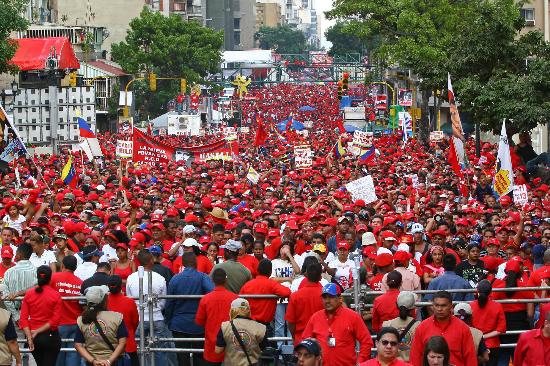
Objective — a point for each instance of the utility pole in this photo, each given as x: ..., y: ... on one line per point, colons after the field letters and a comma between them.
x: 51, y: 67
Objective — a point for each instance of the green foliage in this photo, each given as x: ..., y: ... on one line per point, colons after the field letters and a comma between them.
x: 170, y: 47
x: 285, y: 39
x: 10, y: 21
x: 344, y: 42
x: 476, y: 41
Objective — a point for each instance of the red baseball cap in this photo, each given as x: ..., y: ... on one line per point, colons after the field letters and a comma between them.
x: 7, y: 252
x: 383, y: 260
x: 439, y: 232
x: 401, y: 256
x: 342, y: 244
x: 369, y: 251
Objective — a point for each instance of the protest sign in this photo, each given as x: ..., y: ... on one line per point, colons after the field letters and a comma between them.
x: 436, y: 136
x: 362, y: 189
x: 520, y: 195
x: 362, y: 139
x: 124, y: 149
x: 230, y: 133
x: 302, y: 156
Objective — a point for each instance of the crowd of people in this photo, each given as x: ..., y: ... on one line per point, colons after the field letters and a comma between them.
x: 205, y: 229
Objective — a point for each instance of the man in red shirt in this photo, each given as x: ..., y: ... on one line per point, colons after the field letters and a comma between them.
x: 337, y: 329
x: 263, y: 310
x: 212, y: 312
x: 443, y: 323
x: 387, y: 349
x: 533, y: 346
x: 305, y: 302
x: 67, y: 284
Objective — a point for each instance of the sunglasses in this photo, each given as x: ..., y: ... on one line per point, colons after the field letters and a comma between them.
x: 391, y: 343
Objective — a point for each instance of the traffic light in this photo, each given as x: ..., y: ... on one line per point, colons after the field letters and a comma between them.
x: 72, y: 79
x: 152, y: 81
x: 345, y: 81
x: 183, y: 86
x: 340, y: 90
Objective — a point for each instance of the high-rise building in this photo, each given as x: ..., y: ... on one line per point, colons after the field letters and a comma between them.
x: 268, y: 15
x: 237, y: 18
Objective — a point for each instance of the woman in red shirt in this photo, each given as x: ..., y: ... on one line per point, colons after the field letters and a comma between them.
x: 488, y: 316
x: 519, y: 315
x: 120, y: 303
x: 40, y: 312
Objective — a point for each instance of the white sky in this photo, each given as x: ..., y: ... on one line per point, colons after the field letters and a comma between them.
x: 322, y: 6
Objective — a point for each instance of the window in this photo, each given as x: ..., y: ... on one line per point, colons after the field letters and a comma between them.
x: 35, y: 138
x: 89, y: 107
x: 89, y: 119
x: 33, y: 110
x: 237, y: 23
x: 47, y: 127
x: 33, y: 120
x: 529, y: 15
x: 33, y: 128
x: 237, y: 37
x: 20, y: 129
x: 61, y: 127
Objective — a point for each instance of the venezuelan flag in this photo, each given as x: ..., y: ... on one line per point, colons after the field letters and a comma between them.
x: 85, y: 129
x: 68, y: 174
x: 339, y: 149
x: 367, y: 154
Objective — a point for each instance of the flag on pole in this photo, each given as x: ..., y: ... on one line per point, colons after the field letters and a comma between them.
x: 340, y: 125
x: 368, y: 154
x: 456, y: 124
x: 261, y: 133
x: 89, y: 143
x: 339, y: 149
x: 13, y: 147
x: 452, y: 158
x: 85, y: 129
x: 68, y: 174
x: 503, y: 182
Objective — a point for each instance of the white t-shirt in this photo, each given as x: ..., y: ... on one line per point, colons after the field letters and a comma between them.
x: 296, y: 283
x: 180, y: 251
x: 45, y: 259
x: 282, y: 268
x: 85, y: 270
x: 158, y: 288
x: 343, y: 272
x: 17, y: 224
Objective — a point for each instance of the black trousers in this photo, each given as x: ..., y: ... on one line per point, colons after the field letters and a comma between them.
x: 493, y: 357
x: 46, y: 348
x: 184, y: 359
x: 134, y: 358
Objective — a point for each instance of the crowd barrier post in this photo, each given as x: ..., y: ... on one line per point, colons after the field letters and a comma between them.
x: 151, y: 303
x: 141, y: 316
x: 356, y: 281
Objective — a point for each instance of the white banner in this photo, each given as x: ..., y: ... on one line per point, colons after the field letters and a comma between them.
x: 230, y: 133
x: 124, y: 149
x: 436, y: 136
x: 362, y: 139
x: 184, y: 124
x: 303, y: 157
x: 520, y: 195
x: 362, y: 189
x: 245, y: 129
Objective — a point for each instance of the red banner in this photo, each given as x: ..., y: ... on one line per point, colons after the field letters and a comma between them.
x: 149, y: 151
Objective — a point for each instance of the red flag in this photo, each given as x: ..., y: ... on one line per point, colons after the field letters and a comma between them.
x: 453, y: 159
x: 149, y: 129
x: 340, y: 125
x: 261, y: 133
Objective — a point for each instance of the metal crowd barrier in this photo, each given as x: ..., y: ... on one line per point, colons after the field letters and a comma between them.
x: 147, y: 343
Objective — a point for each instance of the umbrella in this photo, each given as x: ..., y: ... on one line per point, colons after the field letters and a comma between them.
x: 296, y: 125
x: 352, y: 128
x: 306, y: 108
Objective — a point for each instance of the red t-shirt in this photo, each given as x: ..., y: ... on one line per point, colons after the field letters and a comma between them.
x: 263, y: 310
x: 302, y: 305
x: 67, y: 284
x: 487, y: 319
x: 456, y: 333
x: 509, y: 308
x: 3, y: 270
x: 250, y: 262
x: 128, y: 308
x: 212, y: 312
x: 376, y: 282
x: 38, y: 309
x: 203, y: 265
x: 385, y: 308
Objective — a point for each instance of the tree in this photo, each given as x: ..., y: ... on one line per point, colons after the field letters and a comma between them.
x: 10, y: 21
x: 344, y: 42
x: 170, y: 47
x: 475, y: 40
x: 282, y: 38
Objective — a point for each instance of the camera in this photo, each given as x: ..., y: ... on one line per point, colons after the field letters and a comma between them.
x: 283, y: 356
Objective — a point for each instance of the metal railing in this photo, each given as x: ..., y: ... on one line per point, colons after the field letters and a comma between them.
x: 149, y: 300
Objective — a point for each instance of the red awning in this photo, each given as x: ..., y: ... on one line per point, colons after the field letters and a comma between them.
x: 32, y: 53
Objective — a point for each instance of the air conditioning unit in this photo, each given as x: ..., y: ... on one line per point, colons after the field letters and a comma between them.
x: 530, y: 22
